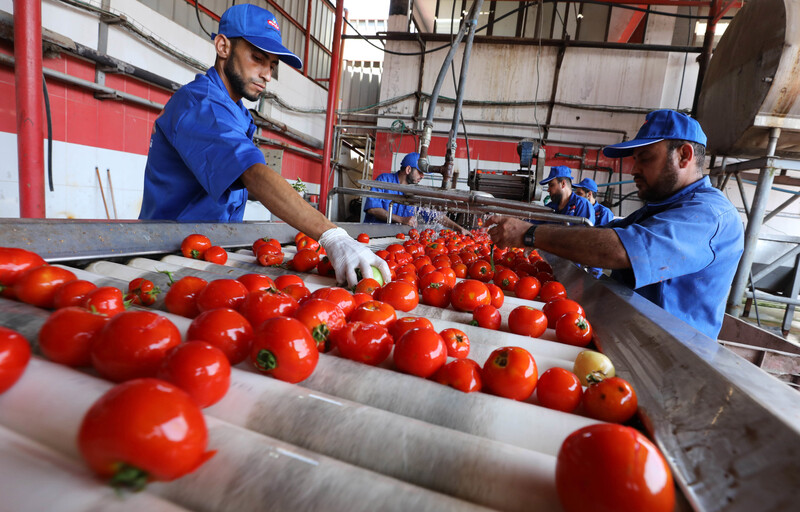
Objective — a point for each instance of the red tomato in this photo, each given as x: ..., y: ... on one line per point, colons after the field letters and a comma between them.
x: 573, y: 329
x: 431, y: 277
x: 285, y: 280
x: 420, y: 352
x: 195, y: 246
x: 299, y: 236
x: 559, y: 389
x: 400, y: 236
x: 297, y: 291
x: 67, y: 335
x: 38, y: 286
x: 321, y: 317
x: 400, y: 295
x: 558, y: 307
x: 487, y: 316
x: 268, y: 255
x: 72, y: 293
x: 510, y: 372
x: 481, y: 270
x: 181, y: 298
x: 545, y: 277
x: 361, y: 298
x: 460, y: 270
x: 216, y: 254
x: 542, y: 266
x: 307, y: 243
x: 143, y: 430
x: 374, y: 312
x: 283, y: 348
x: 405, y: 324
x: 13, y: 263
x: 260, y: 306
x: 366, y: 343
x: 255, y: 282
x: 461, y: 374
x: 15, y: 352
x: 506, y: 279
x: 132, y: 345
x: 363, y: 238
x: 607, y: 467
x: 469, y: 294
x: 325, y: 267
x: 456, y: 341
x: 498, y: 297
x: 413, y: 233
x: 550, y: 290
x: 263, y: 241
x: 225, y: 329
x: 338, y: 296
x: 612, y: 400
x: 527, y: 288
x: 305, y: 260
x: 527, y: 321
x: 367, y: 285
x: 222, y: 293
x: 449, y: 276
x: 200, y: 369
x: 142, y: 291
x: 437, y: 295
x: 106, y: 300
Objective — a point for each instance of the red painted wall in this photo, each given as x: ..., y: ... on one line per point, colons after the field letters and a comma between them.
x: 80, y: 118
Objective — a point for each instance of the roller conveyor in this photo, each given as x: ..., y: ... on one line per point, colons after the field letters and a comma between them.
x: 729, y: 430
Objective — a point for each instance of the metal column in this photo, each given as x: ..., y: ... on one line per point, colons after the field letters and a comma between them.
x: 330, y: 118
x: 754, y: 223
x: 30, y: 112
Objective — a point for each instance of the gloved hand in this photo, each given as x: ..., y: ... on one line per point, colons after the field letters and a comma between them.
x: 346, y: 255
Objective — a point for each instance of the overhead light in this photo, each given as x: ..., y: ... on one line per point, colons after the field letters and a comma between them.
x: 700, y: 28
x: 580, y: 15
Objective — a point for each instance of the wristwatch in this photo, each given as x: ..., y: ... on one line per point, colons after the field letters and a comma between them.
x: 529, y: 238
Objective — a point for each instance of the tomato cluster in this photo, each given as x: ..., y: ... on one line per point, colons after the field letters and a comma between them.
x: 199, y: 247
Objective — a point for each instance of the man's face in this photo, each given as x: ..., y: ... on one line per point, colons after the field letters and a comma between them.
x: 580, y: 191
x: 414, y: 176
x: 557, y: 190
x: 655, y: 172
x: 248, y: 70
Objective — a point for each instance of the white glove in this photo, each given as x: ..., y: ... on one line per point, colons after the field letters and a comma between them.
x: 346, y: 255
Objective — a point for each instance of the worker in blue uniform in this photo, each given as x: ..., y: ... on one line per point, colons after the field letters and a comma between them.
x: 376, y: 210
x: 680, y: 250
x: 203, y: 164
x: 588, y: 188
x: 563, y: 200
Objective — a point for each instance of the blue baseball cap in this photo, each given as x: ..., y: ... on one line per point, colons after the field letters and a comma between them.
x: 560, y: 171
x: 588, y: 184
x: 411, y: 159
x: 660, y: 125
x: 260, y: 28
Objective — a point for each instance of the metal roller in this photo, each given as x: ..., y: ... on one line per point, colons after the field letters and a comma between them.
x: 34, y: 477
x: 266, y: 474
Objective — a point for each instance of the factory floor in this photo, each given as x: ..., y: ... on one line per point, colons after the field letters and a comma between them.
x: 771, y: 317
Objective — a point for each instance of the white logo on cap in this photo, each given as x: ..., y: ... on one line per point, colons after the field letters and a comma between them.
x: 274, y: 24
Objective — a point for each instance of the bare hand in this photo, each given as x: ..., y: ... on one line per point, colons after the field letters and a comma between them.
x: 507, y: 231
x: 410, y: 221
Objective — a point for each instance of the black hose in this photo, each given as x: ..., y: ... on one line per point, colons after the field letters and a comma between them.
x: 49, y: 134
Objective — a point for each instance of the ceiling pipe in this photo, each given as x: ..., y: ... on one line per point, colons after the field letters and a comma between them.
x: 330, y: 115
x: 30, y: 107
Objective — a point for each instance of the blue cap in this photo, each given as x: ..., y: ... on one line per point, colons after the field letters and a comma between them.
x: 259, y: 27
x: 660, y: 125
x: 588, y: 184
x: 560, y: 171
x: 411, y: 159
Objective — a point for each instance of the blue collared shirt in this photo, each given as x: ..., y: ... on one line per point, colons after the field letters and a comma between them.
x: 602, y: 215
x: 684, y: 251
x: 201, y: 144
x: 403, y: 210
x: 577, y: 206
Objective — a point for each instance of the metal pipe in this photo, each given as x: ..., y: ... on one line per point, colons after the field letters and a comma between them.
x: 782, y: 206
x: 794, y: 251
x: 29, y: 104
x: 754, y: 222
x: 330, y: 115
x: 111, y: 191
x: 705, y: 55
x: 264, y: 121
x: 427, y: 127
x: 742, y: 194
x: 447, y: 171
x: 102, y: 193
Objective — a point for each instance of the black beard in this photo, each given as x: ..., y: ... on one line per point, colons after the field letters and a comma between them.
x: 664, y: 185
x: 556, y: 199
x: 237, y: 82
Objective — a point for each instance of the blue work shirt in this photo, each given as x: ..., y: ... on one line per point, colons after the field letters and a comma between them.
x: 403, y: 210
x: 602, y: 215
x: 577, y: 206
x: 201, y: 144
x: 684, y: 251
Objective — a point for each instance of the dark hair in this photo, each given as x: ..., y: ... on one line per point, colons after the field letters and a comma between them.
x: 699, y: 150
x: 562, y: 179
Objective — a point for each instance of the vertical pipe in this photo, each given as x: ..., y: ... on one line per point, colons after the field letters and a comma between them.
x: 330, y: 116
x: 308, y: 40
x: 754, y: 222
x: 705, y: 55
x: 30, y: 114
